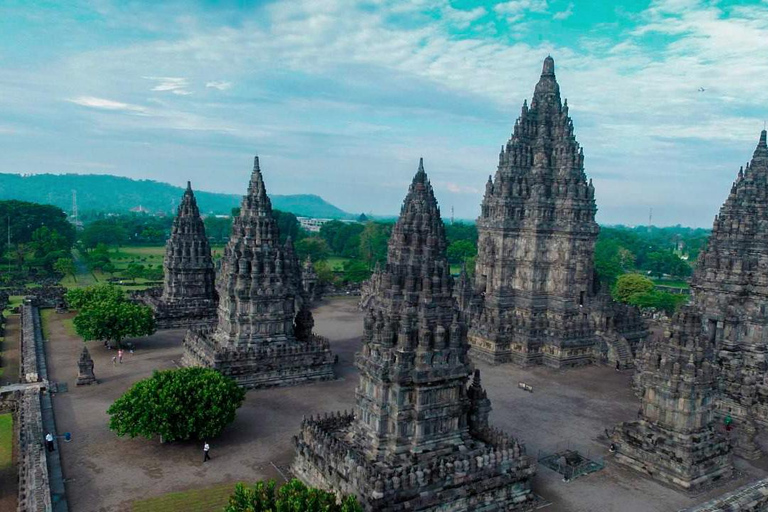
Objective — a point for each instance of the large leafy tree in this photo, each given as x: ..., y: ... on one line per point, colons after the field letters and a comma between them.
x: 105, y: 314
x: 314, y: 247
x: 373, y: 242
x: 294, y: 496
x: 26, y: 218
x: 178, y: 405
x: 65, y: 266
x: 629, y: 285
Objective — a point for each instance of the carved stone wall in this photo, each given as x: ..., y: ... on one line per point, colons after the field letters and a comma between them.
x: 263, y: 336
x: 418, y: 438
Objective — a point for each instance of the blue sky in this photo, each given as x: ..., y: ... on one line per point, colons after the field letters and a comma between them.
x: 341, y: 98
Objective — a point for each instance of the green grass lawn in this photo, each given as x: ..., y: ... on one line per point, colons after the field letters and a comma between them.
x: 195, y: 500
x: 6, y: 441
x: 14, y: 300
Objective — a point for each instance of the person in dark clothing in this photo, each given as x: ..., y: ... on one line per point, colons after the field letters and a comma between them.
x: 206, y: 449
x: 49, y: 442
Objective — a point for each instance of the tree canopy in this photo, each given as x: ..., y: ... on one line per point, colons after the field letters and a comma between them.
x: 628, y: 285
x: 294, y: 496
x: 105, y: 314
x: 179, y: 404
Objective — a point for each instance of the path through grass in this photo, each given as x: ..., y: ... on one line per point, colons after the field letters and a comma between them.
x: 6, y: 441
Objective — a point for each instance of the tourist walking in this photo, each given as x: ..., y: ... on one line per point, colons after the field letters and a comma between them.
x: 114, y: 360
x: 120, y: 356
x: 206, y: 449
x: 49, y: 442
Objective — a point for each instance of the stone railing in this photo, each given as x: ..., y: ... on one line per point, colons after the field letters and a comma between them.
x: 749, y: 498
x: 49, y: 296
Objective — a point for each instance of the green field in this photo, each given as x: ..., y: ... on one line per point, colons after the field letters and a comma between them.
x: 196, y: 500
x: 6, y: 441
x: 674, y: 283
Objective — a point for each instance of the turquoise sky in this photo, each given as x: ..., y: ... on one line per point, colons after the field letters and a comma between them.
x: 341, y: 98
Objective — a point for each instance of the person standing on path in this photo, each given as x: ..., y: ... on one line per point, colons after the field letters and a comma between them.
x: 120, y: 356
x: 206, y: 449
x: 49, y: 442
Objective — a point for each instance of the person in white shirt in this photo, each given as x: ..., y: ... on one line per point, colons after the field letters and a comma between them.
x: 206, y: 448
x: 49, y: 441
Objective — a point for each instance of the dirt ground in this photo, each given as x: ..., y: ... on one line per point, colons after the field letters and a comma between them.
x: 566, y: 409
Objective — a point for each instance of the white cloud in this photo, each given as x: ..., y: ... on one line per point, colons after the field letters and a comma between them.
x: 462, y: 19
x: 170, y: 84
x: 220, y: 85
x: 565, y: 14
x: 515, y: 10
x: 105, y: 104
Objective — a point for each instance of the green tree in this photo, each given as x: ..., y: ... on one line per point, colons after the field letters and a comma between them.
x: 134, y: 271
x: 314, y: 247
x: 629, y: 285
x: 663, y: 301
x: 65, y: 266
x: 81, y: 298
x: 355, y: 271
x: 26, y: 218
x: 105, y: 232
x: 113, y: 320
x: 324, y: 272
x: 294, y: 496
x: 178, y: 405
x: 373, y: 242
x: 460, y: 250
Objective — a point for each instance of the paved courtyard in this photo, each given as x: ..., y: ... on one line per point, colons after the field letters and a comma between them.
x: 107, y: 473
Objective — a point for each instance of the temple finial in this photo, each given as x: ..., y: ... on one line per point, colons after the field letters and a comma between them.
x: 421, y: 163
x: 256, y: 163
x: 762, y: 142
x: 549, y: 66
x: 189, y: 186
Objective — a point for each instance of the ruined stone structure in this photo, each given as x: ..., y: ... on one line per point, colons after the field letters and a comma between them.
x: 674, y: 440
x: 85, y: 374
x: 263, y: 337
x: 534, y: 292
x: 752, y: 497
x: 309, y: 281
x: 730, y: 287
x: 419, y: 437
x: 188, y: 296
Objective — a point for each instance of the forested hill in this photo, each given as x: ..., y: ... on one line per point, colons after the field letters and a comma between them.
x: 115, y: 194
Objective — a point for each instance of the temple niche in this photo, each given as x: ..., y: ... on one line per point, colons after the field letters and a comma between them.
x: 188, y: 296
x: 730, y: 289
x: 263, y: 336
x: 418, y: 438
x: 535, y: 298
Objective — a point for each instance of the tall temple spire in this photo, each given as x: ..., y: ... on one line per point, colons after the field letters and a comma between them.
x: 414, y: 413
x: 264, y: 334
x: 539, y: 199
x: 188, y: 297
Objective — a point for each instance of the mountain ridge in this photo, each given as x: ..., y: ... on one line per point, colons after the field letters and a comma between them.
x: 119, y: 194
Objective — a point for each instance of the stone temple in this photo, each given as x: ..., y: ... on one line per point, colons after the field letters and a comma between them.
x: 263, y: 337
x: 418, y: 438
x: 535, y: 297
x: 188, y: 297
x: 730, y: 288
x: 674, y: 439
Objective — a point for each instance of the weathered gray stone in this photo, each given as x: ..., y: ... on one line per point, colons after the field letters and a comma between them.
x: 85, y: 374
x: 749, y: 498
x: 264, y: 336
x: 188, y: 297
x: 674, y: 440
x: 730, y: 288
x: 535, y: 293
x: 419, y: 437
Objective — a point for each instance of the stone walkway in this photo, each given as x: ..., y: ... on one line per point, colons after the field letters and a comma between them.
x: 105, y: 473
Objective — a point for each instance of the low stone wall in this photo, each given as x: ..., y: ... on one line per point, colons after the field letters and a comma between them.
x: 30, y: 325
x: 749, y: 498
x: 46, y: 296
x: 34, y: 484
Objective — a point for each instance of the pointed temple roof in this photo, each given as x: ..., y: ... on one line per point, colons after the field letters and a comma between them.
x: 188, y: 206
x: 255, y: 219
x: 740, y: 232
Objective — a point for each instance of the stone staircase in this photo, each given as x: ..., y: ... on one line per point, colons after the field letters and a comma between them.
x: 618, y: 350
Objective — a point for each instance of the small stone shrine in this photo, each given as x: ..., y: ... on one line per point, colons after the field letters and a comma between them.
x: 85, y: 374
